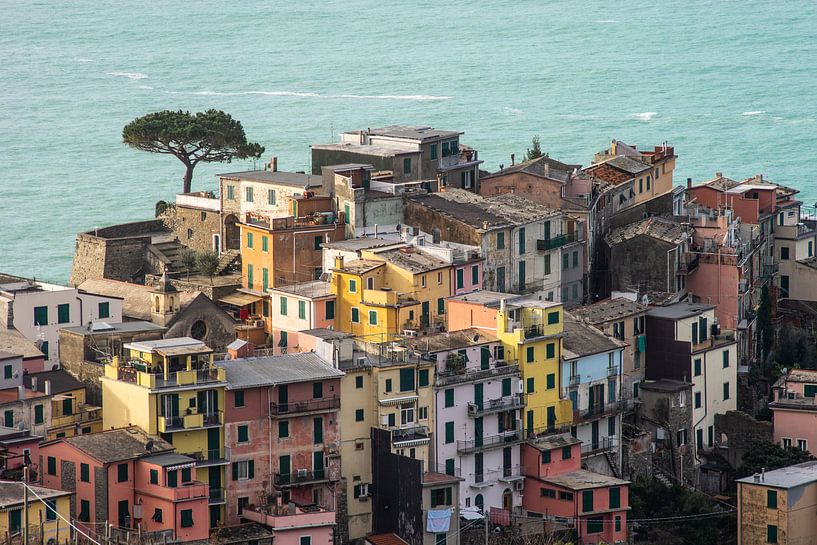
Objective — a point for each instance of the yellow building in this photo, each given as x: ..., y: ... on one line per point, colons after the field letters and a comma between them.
x: 389, y: 291
x: 170, y: 388
x: 531, y: 331
x: 12, y: 513
x: 384, y: 389
x: 778, y: 506
x: 70, y: 414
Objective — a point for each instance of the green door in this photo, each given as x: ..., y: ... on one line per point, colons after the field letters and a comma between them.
x: 284, y: 469
x: 15, y: 520
x: 809, y: 390
x: 424, y: 318
x: 213, y: 444
x: 594, y: 435
x: 478, y: 432
x: 478, y: 392
x: 317, y: 464
x: 124, y: 516
x: 529, y: 423
x: 283, y: 398
x: 485, y: 357
x: 551, y: 416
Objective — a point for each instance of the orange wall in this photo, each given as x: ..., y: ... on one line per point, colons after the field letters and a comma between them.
x: 717, y: 285
x: 462, y: 315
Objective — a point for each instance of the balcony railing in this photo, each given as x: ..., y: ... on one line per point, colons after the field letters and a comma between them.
x: 306, y: 406
x: 174, y: 379
x: 688, y: 263
x: 533, y: 331
x: 507, y: 403
x: 82, y: 416
x: 557, y: 241
x: 497, y: 369
x: 190, y: 421
x: 612, y: 370
x: 574, y: 381
x: 405, y: 435
x: 489, y: 442
x: 210, y: 457
x: 604, y: 444
x: 216, y: 495
x: 282, y: 517
x: 300, y: 477
x: 597, y: 411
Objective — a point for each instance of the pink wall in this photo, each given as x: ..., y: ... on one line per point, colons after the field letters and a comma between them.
x: 462, y: 315
x: 467, y: 277
x: 34, y: 365
x: 16, y: 451
x: 321, y: 535
x: 718, y: 285
x: 796, y: 425
x: 532, y: 466
x: 84, y: 491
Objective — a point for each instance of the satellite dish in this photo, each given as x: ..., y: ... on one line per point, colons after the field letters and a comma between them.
x: 149, y: 446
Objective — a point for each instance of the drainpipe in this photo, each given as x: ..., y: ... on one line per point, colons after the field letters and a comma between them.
x: 269, y: 435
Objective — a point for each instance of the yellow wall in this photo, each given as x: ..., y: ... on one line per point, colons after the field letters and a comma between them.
x: 516, y: 347
x: 37, y: 509
x: 125, y: 403
x: 256, y: 256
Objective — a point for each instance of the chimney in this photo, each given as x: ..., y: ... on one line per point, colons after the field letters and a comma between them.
x: 502, y: 305
x: 48, y: 387
x: 21, y: 392
x: 719, y: 174
x: 339, y: 262
x: 34, y: 383
x: 758, y: 177
x: 763, y: 474
x: 689, y: 183
x: 273, y: 164
x: 513, y: 159
x: 756, y: 477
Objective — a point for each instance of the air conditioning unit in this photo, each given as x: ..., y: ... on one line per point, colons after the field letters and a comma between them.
x: 519, y: 485
x: 302, y: 473
x: 384, y: 420
x: 259, y: 323
x: 519, y: 387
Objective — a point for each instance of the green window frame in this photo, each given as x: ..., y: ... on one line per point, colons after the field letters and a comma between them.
x: 186, y: 475
x: 422, y: 377
x: 154, y: 476
x: 249, y: 275
x: 358, y: 415
x: 725, y: 391
x: 187, y: 518
x: 122, y: 472
x: 615, y: 497
x: 84, y: 511
x: 264, y: 279
x: 271, y: 200
x: 372, y: 317
x: 317, y: 430
x: 283, y: 339
x: 249, y: 240
x: 696, y: 367
x: 506, y: 387
x: 725, y: 359
x: 450, y: 469
x: 595, y: 525
x: 521, y: 240
x: 565, y: 261
x: 84, y: 473
x: 264, y: 244
x: 388, y: 385
x: 283, y: 429
x: 39, y: 416
x: 441, y: 305
x: 358, y: 381
x: 547, y: 264
x: 63, y: 313
x: 771, y: 533
x: 460, y: 279
x: 51, y: 465
x: 40, y: 315
x: 550, y: 379
x: 8, y: 371
x: 305, y: 540
x: 550, y: 350
x: 243, y: 433
x: 355, y: 315
x: 566, y: 453
x: 432, y: 150
x: 318, y: 242
x: 230, y: 192
x: 317, y: 390
x: 449, y: 432
x: 104, y: 310
x: 248, y: 194
x: 283, y: 306
x: 475, y: 275
x: 406, y: 379
x: 51, y: 509
x: 347, y: 213
x: 8, y: 418
x: 530, y: 354
x: 449, y: 397
x: 238, y: 398
x: 575, y: 258
x: 553, y: 318
x: 352, y: 286
x: 302, y: 310
x: 500, y: 241
x: 392, y: 420
x: 587, y: 501
x: 771, y: 499
x: 546, y: 457
x: 68, y: 406
x: 530, y: 386
x: 329, y: 310
x: 407, y: 165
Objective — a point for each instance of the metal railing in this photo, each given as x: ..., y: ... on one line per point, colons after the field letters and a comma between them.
x: 203, y: 457
x: 612, y: 370
x: 300, y: 476
x: 557, y: 241
x: 497, y: 369
x: 409, y: 434
x: 597, y: 411
x: 602, y: 445
x: 506, y: 403
x: 216, y: 495
x: 491, y: 441
x: 305, y: 406
x: 536, y: 330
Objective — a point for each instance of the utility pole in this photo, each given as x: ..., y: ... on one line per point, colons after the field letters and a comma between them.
x: 485, y: 524
x: 25, y: 504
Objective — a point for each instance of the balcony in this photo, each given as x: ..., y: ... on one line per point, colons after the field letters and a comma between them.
x: 300, y: 477
x: 137, y: 373
x: 612, y: 371
x: 290, y: 516
x: 502, y: 475
x: 507, y: 403
x: 307, y: 406
x: 186, y: 422
x: 770, y: 267
x: 533, y: 331
x: 497, y: 369
x: 216, y: 496
x: 688, y: 263
x: 558, y: 241
x: 598, y: 411
x: 510, y: 474
x: 186, y: 491
x: 604, y: 444
x: 84, y: 415
x: 714, y: 341
x: 574, y: 381
x: 410, y: 437
x: 212, y: 457
x: 489, y: 442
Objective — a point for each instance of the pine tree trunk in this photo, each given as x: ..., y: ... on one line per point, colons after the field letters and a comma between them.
x: 188, y: 178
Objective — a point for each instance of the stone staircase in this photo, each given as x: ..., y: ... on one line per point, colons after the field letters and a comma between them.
x: 228, y: 262
x: 659, y: 476
x: 169, y: 252
x: 611, y: 459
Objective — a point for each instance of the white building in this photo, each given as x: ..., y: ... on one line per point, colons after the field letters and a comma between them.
x: 39, y: 310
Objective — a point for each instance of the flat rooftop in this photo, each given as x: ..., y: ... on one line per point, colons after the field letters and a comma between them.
x: 581, y: 479
x: 786, y: 477
x: 313, y: 289
x: 608, y: 309
x: 453, y: 340
x: 421, y: 133
x: 294, y: 179
x: 272, y: 370
x: 361, y: 243
x: 167, y: 344
x: 679, y: 311
x: 105, y: 328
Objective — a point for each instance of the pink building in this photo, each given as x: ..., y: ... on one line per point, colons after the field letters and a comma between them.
x: 467, y: 276
x: 555, y: 485
x: 471, y: 310
x: 299, y: 307
x: 281, y: 422
x: 795, y: 410
x: 124, y: 477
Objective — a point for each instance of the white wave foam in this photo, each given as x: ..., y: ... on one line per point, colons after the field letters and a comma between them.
x: 646, y: 116
x: 607, y: 21
x: 146, y: 87
x: 82, y: 59
x: 316, y: 95
x: 754, y: 112
x: 509, y: 110
x: 283, y: 94
x: 133, y: 76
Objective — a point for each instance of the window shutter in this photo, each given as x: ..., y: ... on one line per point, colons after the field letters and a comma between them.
x: 251, y: 469
x: 235, y: 471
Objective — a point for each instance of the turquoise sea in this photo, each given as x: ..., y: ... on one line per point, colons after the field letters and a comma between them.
x: 731, y: 84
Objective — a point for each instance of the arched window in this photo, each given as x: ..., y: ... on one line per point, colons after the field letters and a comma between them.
x: 479, y: 502
x: 158, y: 309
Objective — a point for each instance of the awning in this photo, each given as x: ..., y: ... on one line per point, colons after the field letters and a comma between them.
x: 398, y: 400
x: 240, y: 299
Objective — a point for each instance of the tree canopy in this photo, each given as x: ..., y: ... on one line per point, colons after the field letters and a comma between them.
x: 535, y: 151
x: 210, y: 137
x: 770, y: 456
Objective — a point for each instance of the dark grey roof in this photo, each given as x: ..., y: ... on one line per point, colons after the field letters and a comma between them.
x: 294, y: 179
x: 170, y: 459
x: 453, y: 340
x: 584, y: 340
x: 655, y: 227
x: 61, y: 381
x: 117, y: 445
x: 106, y: 328
x: 664, y: 385
x: 630, y: 166
x: 348, y: 166
x: 554, y: 441
x: 360, y: 243
x: 11, y: 494
x: 679, y: 311
x: 413, y: 133
x: 544, y: 167
x: 273, y: 370
x: 608, y: 309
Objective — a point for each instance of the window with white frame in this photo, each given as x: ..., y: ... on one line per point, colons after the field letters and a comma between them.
x: 802, y: 444
x: 786, y: 442
x: 406, y: 415
x: 422, y: 413
x: 243, y: 470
